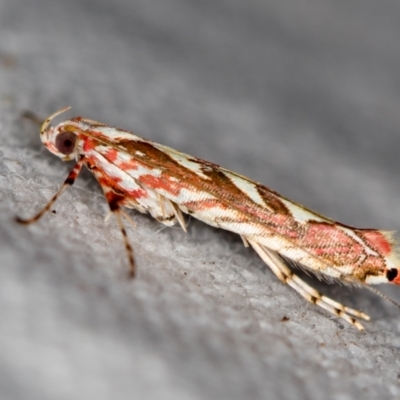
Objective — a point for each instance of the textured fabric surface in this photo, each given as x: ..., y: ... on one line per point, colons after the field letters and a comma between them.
x: 301, y: 95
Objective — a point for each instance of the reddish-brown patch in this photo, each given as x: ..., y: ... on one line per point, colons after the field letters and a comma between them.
x: 136, y: 194
x: 88, y: 144
x: 128, y: 165
x: 110, y: 181
x: 111, y: 155
x: 160, y: 182
x: 272, y: 200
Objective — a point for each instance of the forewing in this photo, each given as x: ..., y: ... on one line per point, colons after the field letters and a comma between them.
x: 230, y: 201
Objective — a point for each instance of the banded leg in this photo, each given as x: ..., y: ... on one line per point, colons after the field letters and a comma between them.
x: 68, y: 182
x: 115, y: 200
x: 283, y: 272
x: 129, y: 250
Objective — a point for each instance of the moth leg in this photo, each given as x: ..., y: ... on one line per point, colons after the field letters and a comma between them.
x: 245, y: 241
x: 107, y: 217
x: 116, y: 210
x: 179, y: 216
x: 128, y: 218
x: 281, y: 270
x: 163, y: 201
x: 68, y: 182
x: 125, y: 214
x: 115, y: 199
x: 160, y: 200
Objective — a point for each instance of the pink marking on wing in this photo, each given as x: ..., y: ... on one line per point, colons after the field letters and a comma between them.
x: 380, y: 241
x: 111, y: 155
x: 128, y: 165
x: 160, y: 182
x: 88, y: 144
x: 107, y: 180
x: 137, y: 193
x: 332, y: 243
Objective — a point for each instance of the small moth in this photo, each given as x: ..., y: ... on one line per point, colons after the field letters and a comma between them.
x: 152, y: 178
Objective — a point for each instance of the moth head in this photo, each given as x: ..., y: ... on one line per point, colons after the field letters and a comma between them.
x: 62, y: 139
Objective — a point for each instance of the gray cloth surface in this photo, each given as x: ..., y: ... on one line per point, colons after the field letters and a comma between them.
x: 300, y: 95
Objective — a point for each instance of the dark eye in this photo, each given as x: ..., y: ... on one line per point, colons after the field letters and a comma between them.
x: 65, y: 142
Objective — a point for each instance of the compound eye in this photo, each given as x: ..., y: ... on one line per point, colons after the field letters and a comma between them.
x: 65, y: 142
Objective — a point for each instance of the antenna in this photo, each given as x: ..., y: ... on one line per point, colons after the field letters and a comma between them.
x: 48, y: 120
x: 380, y: 294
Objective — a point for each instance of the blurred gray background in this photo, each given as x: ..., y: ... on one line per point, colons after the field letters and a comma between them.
x: 302, y: 95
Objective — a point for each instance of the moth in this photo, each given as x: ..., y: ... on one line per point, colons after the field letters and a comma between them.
x: 152, y: 178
